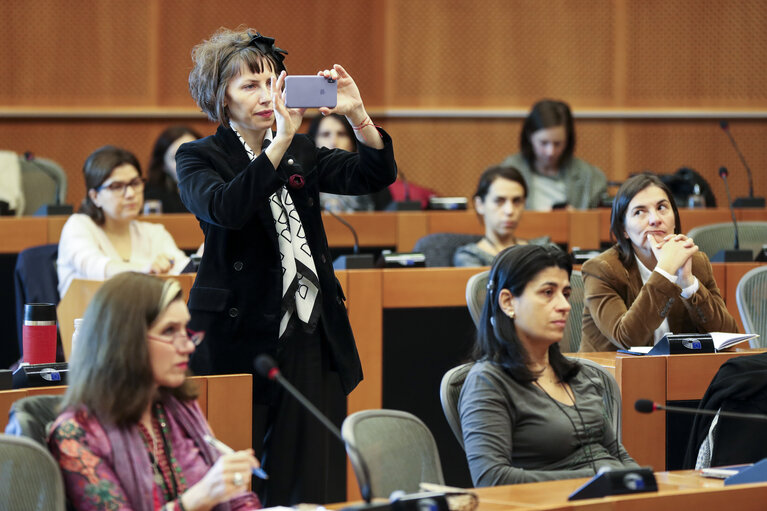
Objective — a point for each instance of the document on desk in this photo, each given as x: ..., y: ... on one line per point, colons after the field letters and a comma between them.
x: 722, y: 340
x: 723, y: 472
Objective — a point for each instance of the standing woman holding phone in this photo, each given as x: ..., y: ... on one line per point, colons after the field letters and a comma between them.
x: 266, y: 282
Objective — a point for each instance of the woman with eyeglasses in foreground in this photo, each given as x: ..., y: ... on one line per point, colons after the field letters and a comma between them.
x: 105, y: 237
x: 131, y: 435
x: 528, y: 413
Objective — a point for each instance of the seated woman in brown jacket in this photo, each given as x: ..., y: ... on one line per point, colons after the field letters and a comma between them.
x: 653, y: 281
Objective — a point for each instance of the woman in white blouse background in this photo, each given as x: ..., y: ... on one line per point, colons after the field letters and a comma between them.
x: 105, y: 237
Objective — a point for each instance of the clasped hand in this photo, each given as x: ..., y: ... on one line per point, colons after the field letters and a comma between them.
x: 673, y: 254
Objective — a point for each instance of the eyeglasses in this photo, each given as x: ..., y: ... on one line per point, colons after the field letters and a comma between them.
x: 179, y: 338
x: 119, y: 187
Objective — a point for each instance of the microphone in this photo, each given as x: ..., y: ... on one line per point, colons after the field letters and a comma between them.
x: 750, y: 201
x: 267, y: 367
x: 647, y: 406
x: 355, y: 260
x: 356, y: 247
x: 735, y: 254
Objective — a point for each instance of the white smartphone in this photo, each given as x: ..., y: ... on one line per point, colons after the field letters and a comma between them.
x: 310, y: 91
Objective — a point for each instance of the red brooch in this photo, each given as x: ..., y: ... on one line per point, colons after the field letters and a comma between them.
x: 296, y: 181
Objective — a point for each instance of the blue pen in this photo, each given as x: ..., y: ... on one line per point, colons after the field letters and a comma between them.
x: 225, y: 449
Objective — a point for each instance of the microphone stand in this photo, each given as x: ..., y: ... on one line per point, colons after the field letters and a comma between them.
x: 735, y: 254
x: 750, y: 201
x: 355, y: 260
x: 267, y: 367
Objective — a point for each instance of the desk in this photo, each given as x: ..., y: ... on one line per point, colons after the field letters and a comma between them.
x: 371, y: 293
x: 660, y: 379
x: 677, y: 491
x: 226, y: 401
x: 585, y: 229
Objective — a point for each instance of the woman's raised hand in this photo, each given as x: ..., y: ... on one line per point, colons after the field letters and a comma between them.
x: 349, y: 102
x: 288, y: 120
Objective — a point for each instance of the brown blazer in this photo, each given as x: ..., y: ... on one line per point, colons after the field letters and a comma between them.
x: 620, y: 312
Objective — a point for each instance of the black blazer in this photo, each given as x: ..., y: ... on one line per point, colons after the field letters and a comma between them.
x: 236, y: 296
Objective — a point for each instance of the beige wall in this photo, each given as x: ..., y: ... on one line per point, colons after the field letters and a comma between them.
x: 648, y: 79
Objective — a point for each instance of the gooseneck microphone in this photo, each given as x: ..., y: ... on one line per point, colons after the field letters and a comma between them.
x: 356, y: 247
x: 647, y: 406
x: 735, y: 254
x: 355, y: 260
x: 750, y: 201
x: 723, y: 173
x: 267, y: 367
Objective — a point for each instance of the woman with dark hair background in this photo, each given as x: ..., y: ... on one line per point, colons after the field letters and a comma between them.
x: 333, y: 131
x: 653, y: 281
x: 162, y: 180
x: 499, y: 202
x: 527, y: 412
x: 554, y: 176
x: 106, y: 237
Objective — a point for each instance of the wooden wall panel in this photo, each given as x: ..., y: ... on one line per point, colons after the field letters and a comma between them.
x: 89, y: 52
x: 663, y: 147
x: 696, y: 53
x: 447, y: 155
x: 108, y: 53
x: 103, y: 72
x: 501, y: 52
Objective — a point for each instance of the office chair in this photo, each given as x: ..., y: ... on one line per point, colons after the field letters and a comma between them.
x: 715, y: 237
x: 740, y: 385
x: 452, y: 383
x: 571, y: 341
x: 32, y: 416
x: 751, y: 295
x: 30, y: 478
x: 43, y: 182
x: 391, y: 450
x: 438, y: 248
x: 476, y: 290
x: 449, y: 392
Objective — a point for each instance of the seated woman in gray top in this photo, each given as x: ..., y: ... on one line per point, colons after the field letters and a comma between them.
x: 554, y: 176
x: 528, y: 413
x: 499, y: 202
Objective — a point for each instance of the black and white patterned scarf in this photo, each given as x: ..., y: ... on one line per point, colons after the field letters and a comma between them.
x: 300, y: 285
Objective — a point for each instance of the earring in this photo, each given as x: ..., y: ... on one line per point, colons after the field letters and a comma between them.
x: 511, y: 314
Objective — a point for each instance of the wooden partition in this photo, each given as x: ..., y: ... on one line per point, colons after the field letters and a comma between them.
x: 660, y: 379
x: 226, y: 401
x: 400, y: 230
